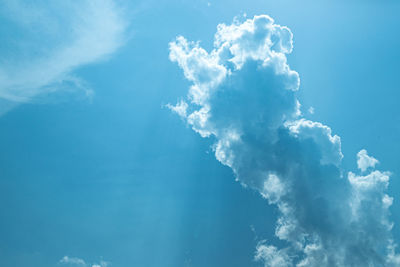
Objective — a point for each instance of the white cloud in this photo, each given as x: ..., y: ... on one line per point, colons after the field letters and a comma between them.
x: 53, y: 40
x: 244, y: 95
x: 274, y: 189
x: 180, y: 108
x: 73, y: 261
x: 364, y: 161
x: 330, y: 146
x: 272, y: 256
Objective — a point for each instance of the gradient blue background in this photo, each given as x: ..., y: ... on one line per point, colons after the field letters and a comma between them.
x: 123, y: 179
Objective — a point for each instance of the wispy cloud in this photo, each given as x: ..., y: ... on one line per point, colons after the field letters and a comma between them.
x: 77, y: 262
x: 73, y: 260
x: 45, y: 42
x: 243, y: 95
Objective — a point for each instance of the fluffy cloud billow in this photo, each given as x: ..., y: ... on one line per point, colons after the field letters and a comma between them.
x: 243, y: 95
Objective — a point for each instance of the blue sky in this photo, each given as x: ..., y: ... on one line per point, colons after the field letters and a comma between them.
x: 96, y: 170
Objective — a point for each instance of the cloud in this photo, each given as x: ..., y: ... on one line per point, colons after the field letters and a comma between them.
x: 364, y: 161
x: 179, y: 108
x: 72, y: 261
x: 272, y: 255
x: 243, y: 96
x: 47, y: 41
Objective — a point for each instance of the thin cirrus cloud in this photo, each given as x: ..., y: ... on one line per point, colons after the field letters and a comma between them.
x: 243, y: 95
x: 46, y: 41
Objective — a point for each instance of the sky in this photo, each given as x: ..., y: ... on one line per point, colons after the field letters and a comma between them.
x: 199, y: 133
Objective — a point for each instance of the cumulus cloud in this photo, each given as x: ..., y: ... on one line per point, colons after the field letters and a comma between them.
x: 72, y: 261
x: 364, y: 161
x: 45, y: 42
x: 243, y: 96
